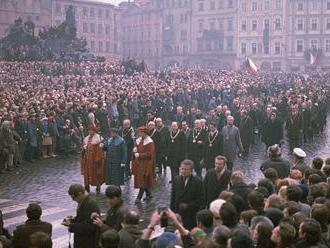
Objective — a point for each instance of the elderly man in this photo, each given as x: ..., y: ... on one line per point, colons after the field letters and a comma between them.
x: 156, y: 138
x: 231, y: 140
x: 175, y: 149
x: 163, y: 132
x: 143, y: 165
x: 298, y: 160
x: 196, y: 144
x: 187, y: 194
x: 275, y: 161
x: 127, y: 132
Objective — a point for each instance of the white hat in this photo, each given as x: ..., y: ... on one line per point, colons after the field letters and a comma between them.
x: 215, y: 207
x: 299, y: 152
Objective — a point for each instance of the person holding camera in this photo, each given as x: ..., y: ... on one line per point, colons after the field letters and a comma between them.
x: 115, y: 214
x: 187, y: 194
x: 85, y: 232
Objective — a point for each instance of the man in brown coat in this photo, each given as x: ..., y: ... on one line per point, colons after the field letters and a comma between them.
x: 32, y: 225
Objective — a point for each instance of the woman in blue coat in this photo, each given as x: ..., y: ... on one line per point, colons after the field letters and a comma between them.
x: 116, y: 156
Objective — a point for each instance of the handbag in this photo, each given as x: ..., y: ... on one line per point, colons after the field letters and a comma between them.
x: 47, y: 141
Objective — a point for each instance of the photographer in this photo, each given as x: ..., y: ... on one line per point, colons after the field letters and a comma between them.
x: 115, y: 214
x: 170, y: 237
x: 85, y: 233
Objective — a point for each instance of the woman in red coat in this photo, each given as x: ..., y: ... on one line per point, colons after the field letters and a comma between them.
x: 143, y: 164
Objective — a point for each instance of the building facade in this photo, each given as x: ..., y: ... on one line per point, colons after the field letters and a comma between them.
x: 278, y: 35
x: 309, y: 31
x: 176, y: 39
x: 141, y: 33
x: 262, y: 33
x: 96, y: 22
x: 214, y: 34
x: 37, y: 11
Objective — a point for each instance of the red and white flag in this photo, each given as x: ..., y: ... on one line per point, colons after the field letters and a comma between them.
x: 251, y: 67
x: 312, y: 58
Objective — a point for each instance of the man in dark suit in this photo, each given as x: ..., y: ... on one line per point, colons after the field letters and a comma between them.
x: 85, y: 232
x: 187, y: 194
x: 127, y: 133
x: 32, y: 225
x: 164, y: 133
x: 216, y: 180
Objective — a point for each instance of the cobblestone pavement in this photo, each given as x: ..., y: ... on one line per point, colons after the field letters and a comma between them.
x: 47, y: 182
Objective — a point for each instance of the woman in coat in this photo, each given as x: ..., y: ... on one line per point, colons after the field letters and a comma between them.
x: 143, y: 164
x: 116, y: 156
x: 92, y: 164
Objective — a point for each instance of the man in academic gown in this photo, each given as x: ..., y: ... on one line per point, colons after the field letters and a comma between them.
x: 213, y: 146
x: 196, y: 144
x: 175, y: 149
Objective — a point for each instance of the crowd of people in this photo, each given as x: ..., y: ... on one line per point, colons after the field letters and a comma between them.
x: 189, y: 120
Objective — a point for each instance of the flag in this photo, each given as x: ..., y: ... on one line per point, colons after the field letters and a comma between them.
x: 251, y: 67
x: 313, y: 58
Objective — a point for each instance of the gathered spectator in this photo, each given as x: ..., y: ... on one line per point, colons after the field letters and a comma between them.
x: 40, y: 240
x: 33, y: 225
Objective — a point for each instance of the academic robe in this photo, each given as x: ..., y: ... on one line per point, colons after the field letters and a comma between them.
x: 92, y: 163
x: 116, y: 156
x: 143, y: 166
x: 213, y: 148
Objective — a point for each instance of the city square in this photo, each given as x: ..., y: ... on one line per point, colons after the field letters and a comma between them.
x: 153, y: 123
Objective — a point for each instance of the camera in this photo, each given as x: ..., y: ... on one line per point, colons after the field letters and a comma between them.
x: 68, y: 218
x: 163, y: 218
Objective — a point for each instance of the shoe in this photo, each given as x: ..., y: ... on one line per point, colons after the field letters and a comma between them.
x: 138, y: 201
x: 98, y: 190
x: 87, y: 189
x: 147, y: 198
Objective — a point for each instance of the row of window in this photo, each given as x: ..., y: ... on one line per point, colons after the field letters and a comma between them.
x: 216, y: 45
x: 102, y: 46
x: 86, y: 12
x: 259, y: 48
x: 314, y: 24
x: 278, y: 46
x: 177, y: 3
x: 314, y: 5
x: 313, y: 44
x: 213, y: 3
x: 169, y: 19
x: 266, y: 5
x: 254, y: 24
x: 213, y: 26
x: 101, y: 29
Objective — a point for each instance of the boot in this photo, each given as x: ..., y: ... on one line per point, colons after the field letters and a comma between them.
x: 87, y: 188
x: 98, y: 189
